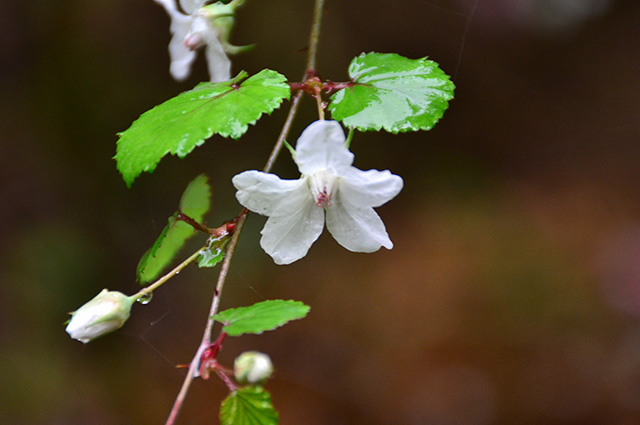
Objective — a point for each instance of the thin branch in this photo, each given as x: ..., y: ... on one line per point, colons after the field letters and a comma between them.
x: 320, y: 107
x: 169, y: 275
x: 177, y: 404
x: 314, y: 37
x: 284, y: 132
x: 194, y: 366
x: 215, y: 303
x: 191, y: 222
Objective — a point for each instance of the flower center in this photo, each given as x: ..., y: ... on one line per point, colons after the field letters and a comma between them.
x: 322, y: 188
x: 323, y: 199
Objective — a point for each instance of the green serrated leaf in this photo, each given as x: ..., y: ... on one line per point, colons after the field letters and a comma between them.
x: 180, y: 124
x: 248, y: 406
x: 260, y: 317
x: 210, y: 257
x: 393, y: 93
x: 194, y: 203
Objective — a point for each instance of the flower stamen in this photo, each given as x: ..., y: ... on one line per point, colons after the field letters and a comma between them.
x: 323, y: 199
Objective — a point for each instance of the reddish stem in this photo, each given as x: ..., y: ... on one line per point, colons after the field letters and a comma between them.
x: 217, y: 345
x: 208, y: 359
x: 225, y: 229
x: 297, y: 86
x: 224, y: 376
x: 313, y: 86
x: 330, y: 86
x: 183, y: 217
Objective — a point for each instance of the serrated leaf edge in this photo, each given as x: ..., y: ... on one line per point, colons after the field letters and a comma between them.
x: 129, y: 177
x: 230, y: 324
x: 355, y: 76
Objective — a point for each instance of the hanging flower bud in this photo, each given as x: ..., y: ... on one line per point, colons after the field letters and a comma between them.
x: 252, y: 367
x: 103, y: 314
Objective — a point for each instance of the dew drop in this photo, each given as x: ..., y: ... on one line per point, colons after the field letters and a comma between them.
x: 146, y: 298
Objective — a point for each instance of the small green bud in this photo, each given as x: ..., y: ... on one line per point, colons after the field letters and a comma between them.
x: 103, y: 314
x: 252, y: 367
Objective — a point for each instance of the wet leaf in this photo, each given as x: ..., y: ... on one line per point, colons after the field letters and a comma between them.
x: 180, y: 124
x: 393, y: 93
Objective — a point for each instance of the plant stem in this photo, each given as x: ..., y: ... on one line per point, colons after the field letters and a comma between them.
x: 231, y: 386
x: 194, y: 366
x: 320, y: 107
x: 191, y: 222
x: 286, y: 127
x: 167, y: 276
x: 349, y: 138
x: 314, y: 37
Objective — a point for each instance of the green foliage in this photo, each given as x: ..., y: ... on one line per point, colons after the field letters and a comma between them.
x: 248, y: 406
x: 392, y: 92
x: 180, y: 124
x: 210, y: 257
x: 260, y: 317
x: 194, y: 203
x: 196, y: 198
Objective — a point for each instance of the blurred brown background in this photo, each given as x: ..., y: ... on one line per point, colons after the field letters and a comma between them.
x: 512, y: 295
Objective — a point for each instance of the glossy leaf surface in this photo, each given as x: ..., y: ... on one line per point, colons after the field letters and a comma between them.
x: 180, y: 124
x: 393, y: 93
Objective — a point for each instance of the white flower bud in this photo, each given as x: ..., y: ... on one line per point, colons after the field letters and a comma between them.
x: 103, y: 314
x: 252, y: 367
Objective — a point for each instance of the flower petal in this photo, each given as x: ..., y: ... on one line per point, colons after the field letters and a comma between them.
x: 321, y: 146
x: 217, y: 61
x: 267, y: 194
x: 181, y: 56
x: 370, y: 188
x: 190, y: 6
x: 295, y: 221
x: 287, y: 237
x: 357, y: 229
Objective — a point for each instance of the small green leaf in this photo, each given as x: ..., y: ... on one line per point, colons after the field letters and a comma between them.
x: 392, y: 92
x: 260, y: 317
x: 180, y: 124
x: 196, y: 198
x: 194, y: 203
x: 210, y: 257
x: 248, y: 406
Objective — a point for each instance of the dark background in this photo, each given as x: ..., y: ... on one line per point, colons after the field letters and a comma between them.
x: 512, y: 295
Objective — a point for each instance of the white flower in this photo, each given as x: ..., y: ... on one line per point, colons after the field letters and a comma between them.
x: 329, y: 183
x: 105, y: 313
x: 201, y: 26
